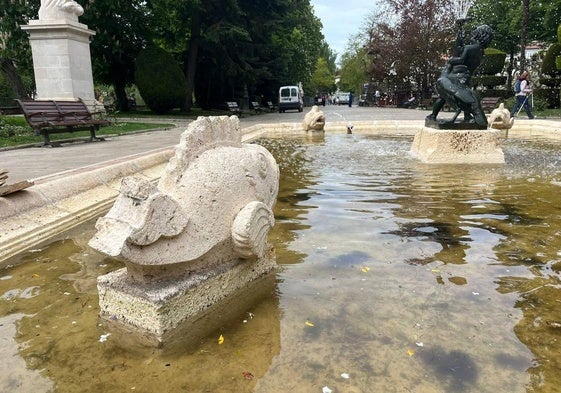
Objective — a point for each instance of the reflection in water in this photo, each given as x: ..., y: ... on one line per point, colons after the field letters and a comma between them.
x: 405, y: 276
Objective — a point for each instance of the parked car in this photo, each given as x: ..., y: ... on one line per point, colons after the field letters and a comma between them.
x: 343, y: 98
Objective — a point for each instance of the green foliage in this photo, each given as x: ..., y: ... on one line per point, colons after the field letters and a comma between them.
x: 323, y: 81
x: 493, y: 62
x: 549, y: 66
x: 489, y: 81
x: 546, y: 98
x: 160, y: 80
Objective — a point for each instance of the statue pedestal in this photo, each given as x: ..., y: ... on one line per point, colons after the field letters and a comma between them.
x: 438, y: 146
x: 61, y: 59
x: 158, y: 314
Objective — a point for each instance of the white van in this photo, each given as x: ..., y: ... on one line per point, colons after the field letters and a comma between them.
x: 343, y: 98
x: 291, y: 97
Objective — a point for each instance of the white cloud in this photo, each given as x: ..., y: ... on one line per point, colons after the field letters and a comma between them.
x: 341, y: 19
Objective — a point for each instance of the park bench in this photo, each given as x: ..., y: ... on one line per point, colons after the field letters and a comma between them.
x: 52, y: 116
x: 233, y: 107
x: 426, y: 103
x: 9, y: 110
x: 489, y: 103
x: 256, y: 107
x: 271, y: 106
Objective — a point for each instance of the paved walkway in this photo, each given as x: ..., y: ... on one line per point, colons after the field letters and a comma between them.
x: 36, y: 163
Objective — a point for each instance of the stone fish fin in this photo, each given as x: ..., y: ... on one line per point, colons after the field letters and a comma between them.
x: 205, y: 133
x: 250, y: 229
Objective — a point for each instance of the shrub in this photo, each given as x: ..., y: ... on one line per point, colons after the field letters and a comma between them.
x: 493, y: 62
x: 160, y: 81
x: 548, y: 65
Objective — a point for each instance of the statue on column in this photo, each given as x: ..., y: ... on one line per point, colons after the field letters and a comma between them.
x: 60, y: 10
x: 453, y: 85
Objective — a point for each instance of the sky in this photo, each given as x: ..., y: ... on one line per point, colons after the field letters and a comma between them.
x: 341, y: 19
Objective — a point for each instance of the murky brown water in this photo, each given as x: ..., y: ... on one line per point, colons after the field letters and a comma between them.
x: 394, y: 277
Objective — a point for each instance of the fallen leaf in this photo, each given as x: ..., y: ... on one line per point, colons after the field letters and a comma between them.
x: 308, y: 323
x: 410, y: 352
x: 220, y: 339
x: 365, y: 269
x: 248, y: 375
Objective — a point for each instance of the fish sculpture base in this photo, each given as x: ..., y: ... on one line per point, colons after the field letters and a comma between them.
x: 153, y: 314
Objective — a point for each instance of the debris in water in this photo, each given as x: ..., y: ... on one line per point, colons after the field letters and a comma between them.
x: 104, y: 337
x: 248, y: 375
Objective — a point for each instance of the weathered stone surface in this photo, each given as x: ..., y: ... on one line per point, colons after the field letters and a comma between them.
x: 457, y: 146
x: 213, y: 204
x: 314, y: 120
x: 60, y: 10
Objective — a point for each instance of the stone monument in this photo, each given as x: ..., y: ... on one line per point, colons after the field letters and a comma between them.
x: 451, y: 140
x: 61, y: 52
x: 194, y: 239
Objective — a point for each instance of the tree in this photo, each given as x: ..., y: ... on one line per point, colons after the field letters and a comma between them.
x: 123, y: 28
x: 406, y: 42
x: 323, y: 80
x: 15, y: 52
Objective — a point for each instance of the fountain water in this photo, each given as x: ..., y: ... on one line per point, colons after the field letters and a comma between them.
x: 394, y: 275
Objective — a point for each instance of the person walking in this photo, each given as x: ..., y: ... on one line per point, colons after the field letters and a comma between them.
x: 523, y: 91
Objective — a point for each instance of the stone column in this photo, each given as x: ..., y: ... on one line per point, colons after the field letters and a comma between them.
x: 61, y: 59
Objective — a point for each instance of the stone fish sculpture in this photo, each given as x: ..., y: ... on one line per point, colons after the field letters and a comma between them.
x: 213, y: 204
x: 314, y: 120
x: 500, y: 118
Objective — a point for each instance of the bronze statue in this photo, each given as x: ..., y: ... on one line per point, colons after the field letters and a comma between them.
x: 453, y: 84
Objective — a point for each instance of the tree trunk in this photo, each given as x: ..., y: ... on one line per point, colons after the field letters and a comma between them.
x: 9, y: 70
x: 192, y: 54
x: 524, y: 33
x: 121, y: 96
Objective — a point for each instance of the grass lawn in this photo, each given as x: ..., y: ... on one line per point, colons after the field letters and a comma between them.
x: 14, y: 131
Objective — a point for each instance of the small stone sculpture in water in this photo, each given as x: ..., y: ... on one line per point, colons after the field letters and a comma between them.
x: 60, y: 10
x: 500, y: 118
x: 213, y: 204
x: 314, y: 120
x: 453, y: 84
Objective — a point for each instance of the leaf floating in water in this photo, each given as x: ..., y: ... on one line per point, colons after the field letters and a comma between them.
x: 365, y: 269
x: 410, y: 352
x: 310, y: 324
x: 220, y: 340
x: 248, y: 375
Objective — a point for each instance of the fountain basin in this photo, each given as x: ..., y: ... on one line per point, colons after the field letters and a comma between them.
x: 62, y: 201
